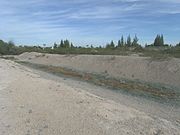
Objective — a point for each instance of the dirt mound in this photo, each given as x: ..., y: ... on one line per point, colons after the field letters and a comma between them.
x: 28, y: 55
x: 127, y: 67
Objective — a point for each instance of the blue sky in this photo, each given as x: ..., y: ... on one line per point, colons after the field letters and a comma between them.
x: 35, y: 22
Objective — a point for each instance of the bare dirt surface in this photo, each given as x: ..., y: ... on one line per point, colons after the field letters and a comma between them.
x: 129, y: 67
x: 34, y: 105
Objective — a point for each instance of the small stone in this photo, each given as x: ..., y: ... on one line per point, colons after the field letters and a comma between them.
x: 21, y: 106
x: 8, y: 126
x: 46, y: 126
x: 39, y: 131
x: 30, y: 111
x: 28, y: 132
x: 158, y: 132
x: 28, y: 121
x: 81, y: 102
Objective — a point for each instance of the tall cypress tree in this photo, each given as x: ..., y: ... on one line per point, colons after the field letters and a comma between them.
x: 119, y: 43
x: 129, y: 41
x: 62, y: 44
x: 162, y: 40
x: 112, y: 44
x: 157, y: 41
x: 122, y: 41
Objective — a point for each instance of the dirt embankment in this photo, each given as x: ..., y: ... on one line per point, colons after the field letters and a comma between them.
x: 128, y: 67
x: 34, y: 105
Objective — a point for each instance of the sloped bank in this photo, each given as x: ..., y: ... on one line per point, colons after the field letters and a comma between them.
x: 165, y: 72
x: 161, y: 93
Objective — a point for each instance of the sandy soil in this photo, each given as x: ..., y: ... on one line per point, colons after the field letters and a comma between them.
x: 33, y: 105
x: 129, y: 67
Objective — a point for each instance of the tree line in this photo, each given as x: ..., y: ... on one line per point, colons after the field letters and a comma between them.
x: 65, y: 46
x: 122, y: 42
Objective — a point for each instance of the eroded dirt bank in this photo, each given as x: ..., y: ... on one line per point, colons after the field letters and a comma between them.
x: 34, y: 105
x: 128, y: 67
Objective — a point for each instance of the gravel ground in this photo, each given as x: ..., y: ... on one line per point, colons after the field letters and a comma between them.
x: 33, y: 105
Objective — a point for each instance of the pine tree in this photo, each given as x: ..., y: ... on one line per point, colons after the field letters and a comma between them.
x: 72, y: 46
x: 55, y: 45
x: 129, y: 41
x: 108, y: 45
x: 156, y: 41
x: 62, y: 44
x: 112, y: 44
x: 159, y: 40
x: 162, y: 40
x: 177, y: 45
x: 135, y: 41
x: 119, y: 43
x: 66, y: 44
x: 122, y: 41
